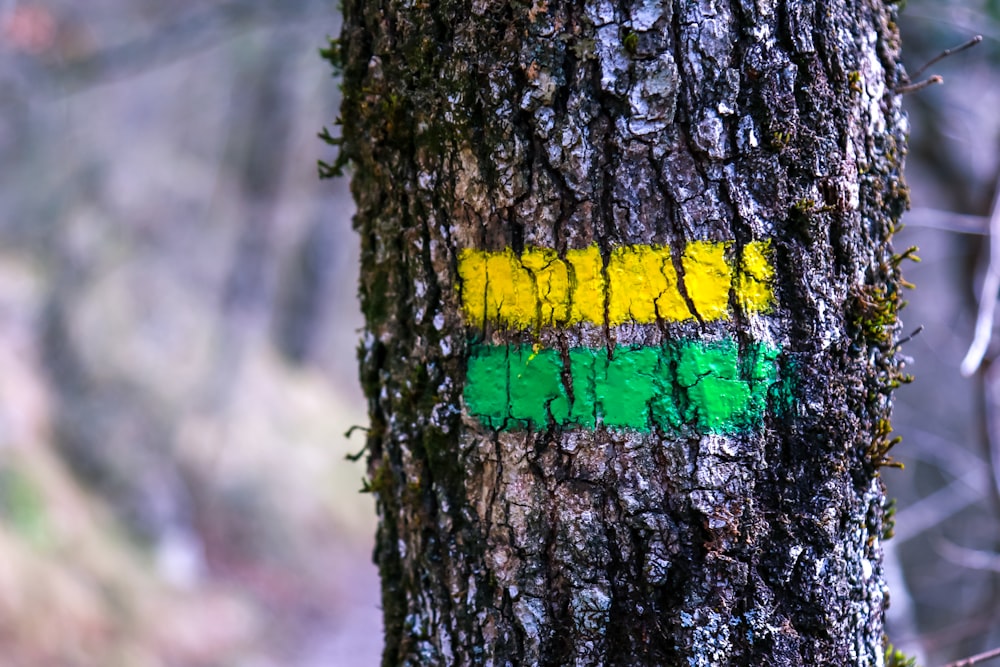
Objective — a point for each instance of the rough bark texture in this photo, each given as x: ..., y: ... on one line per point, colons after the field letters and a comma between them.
x: 561, y: 124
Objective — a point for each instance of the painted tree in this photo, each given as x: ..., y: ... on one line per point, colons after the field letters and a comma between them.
x: 631, y: 320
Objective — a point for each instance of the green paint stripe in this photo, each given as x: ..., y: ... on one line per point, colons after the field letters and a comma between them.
x: 707, y: 387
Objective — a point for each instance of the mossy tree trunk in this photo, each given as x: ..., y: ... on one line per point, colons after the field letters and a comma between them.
x: 631, y: 319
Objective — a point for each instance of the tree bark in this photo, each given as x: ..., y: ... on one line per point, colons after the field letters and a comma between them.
x: 631, y: 320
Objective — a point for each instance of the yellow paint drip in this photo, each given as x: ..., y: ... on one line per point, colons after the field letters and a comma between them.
x: 639, y: 284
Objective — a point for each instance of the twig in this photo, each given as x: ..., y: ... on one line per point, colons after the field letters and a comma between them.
x: 946, y: 454
x: 969, y: 484
x: 988, y: 297
x: 939, y: 506
x: 947, y: 221
x: 973, y: 559
x: 182, y: 36
x: 949, y: 52
x: 906, y: 339
x: 976, y: 659
x: 920, y: 85
x: 354, y: 458
x: 978, y: 622
x: 907, y: 88
x: 991, y: 394
x: 356, y: 427
x: 901, y: 614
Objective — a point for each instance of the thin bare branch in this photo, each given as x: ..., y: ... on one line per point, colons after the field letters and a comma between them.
x: 973, y: 559
x: 920, y: 85
x: 948, y: 52
x: 969, y: 485
x: 180, y: 37
x: 976, y: 659
x: 948, y: 455
x: 906, y: 339
x: 948, y: 221
x: 988, y: 297
x: 902, y: 613
x: 991, y: 392
x: 939, y: 506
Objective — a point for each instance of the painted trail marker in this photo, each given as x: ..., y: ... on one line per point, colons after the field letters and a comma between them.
x: 538, y: 288
x: 686, y: 385
x: 708, y: 387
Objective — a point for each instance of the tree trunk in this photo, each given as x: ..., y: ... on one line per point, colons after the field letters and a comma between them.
x: 631, y: 320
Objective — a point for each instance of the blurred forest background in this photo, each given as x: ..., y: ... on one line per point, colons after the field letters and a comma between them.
x: 178, y: 324
x: 178, y: 327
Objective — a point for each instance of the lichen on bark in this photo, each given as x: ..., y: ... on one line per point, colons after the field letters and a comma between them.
x: 509, y: 127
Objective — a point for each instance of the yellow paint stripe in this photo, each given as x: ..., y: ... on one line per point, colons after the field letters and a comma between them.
x: 639, y: 284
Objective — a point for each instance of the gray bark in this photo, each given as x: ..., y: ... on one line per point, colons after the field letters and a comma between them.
x: 561, y: 124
